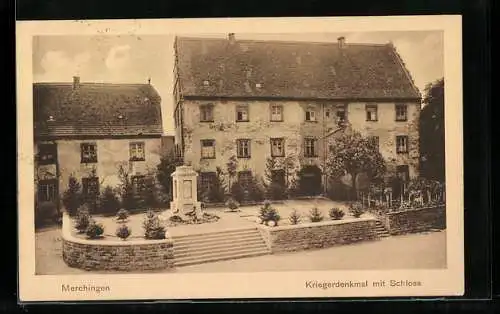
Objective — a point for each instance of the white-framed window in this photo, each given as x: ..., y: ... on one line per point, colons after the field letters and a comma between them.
x: 341, y: 112
x: 310, y: 147
x: 401, y: 112
x: 371, y: 112
x: 277, y: 113
x: 206, y: 113
x: 47, y: 190
x: 243, y: 148
x: 242, y: 113
x: 137, y: 152
x: 277, y: 147
x: 402, y: 144
x: 90, y: 187
x: 88, y: 152
x: 207, y: 149
x: 310, y: 115
x: 245, y: 178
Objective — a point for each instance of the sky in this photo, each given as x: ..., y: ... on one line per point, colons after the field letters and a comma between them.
x: 135, y: 59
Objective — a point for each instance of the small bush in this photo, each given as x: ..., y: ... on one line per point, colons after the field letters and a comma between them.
x: 269, y: 213
x: 153, y: 229
x: 123, y: 232
x: 94, y: 230
x: 82, y: 219
x: 237, y: 192
x: 122, y: 214
x: 72, y: 198
x: 336, y: 213
x: 356, y: 209
x: 232, y: 204
x: 294, y: 217
x: 110, y: 203
x: 315, y: 215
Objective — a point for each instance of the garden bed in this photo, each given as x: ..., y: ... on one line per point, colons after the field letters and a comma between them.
x: 108, y: 253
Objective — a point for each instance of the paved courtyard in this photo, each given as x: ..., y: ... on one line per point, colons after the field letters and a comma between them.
x: 415, y: 251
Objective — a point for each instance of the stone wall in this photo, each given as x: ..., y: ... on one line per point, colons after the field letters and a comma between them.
x: 416, y: 220
x: 318, y: 235
x: 104, y: 254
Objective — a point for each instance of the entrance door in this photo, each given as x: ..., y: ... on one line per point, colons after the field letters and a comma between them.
x: 310, y: 181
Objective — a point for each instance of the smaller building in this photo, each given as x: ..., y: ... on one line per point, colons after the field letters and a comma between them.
x: 89, y: 130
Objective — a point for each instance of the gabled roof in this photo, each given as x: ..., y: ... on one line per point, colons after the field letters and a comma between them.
x: 225, y: 68
x: 96, y: 110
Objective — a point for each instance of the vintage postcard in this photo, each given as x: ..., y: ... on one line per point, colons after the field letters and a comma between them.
x: 240, y: 158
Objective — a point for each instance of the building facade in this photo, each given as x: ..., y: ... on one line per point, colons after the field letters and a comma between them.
x: 89, y: 130
x: 260, y: 99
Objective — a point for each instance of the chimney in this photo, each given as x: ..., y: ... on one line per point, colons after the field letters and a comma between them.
x: 341, y: 41
x: 76, y: 82
x: 230, y: 37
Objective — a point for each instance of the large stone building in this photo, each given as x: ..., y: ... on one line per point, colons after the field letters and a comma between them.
x: 84, y: 127
x: 257, y: 99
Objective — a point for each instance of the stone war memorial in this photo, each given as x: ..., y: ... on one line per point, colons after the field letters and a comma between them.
x: 184, y: 199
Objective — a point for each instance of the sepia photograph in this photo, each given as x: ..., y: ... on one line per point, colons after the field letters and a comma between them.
x: 224, y: 153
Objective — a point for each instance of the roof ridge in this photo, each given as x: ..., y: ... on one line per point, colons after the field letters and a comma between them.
x: 283, y: 41
x: 92, y: 84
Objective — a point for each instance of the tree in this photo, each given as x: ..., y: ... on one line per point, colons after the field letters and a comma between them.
x: 217, y: 193
x: 110, y: 204
x: 165, y: 169
x: 275, y: 188
x: 352, y: 154
x: 432, y: 143
x: 72, y: 197
x: 231, y: 167
x: 128, y: 200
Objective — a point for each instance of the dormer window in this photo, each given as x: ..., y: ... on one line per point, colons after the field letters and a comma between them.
x: 258, y: 85
x: 206, y: 83
x: 51, y: 119
x: 120, y: 116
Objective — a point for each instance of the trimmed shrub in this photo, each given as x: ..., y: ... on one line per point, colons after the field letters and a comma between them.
x: 72, y: 198
x: 123, y: 232
x: 94, y: 230
x: 232, y: 204
x: 82, y: 219
x: 110, y: 203
x: 294, y: 217
x: 336, y: 213
x: 122, y: 214
x: 315, y: 215
x: 356, y: 209
x: 237, y: 192
x: 153, y: 229
x: 269, y: 213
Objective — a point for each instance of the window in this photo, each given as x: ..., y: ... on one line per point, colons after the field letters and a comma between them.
x: 243, y: 148
x: 310, y: 147
x: 374, y: 140
x: 47, y: 190
x: 276, y: 113
x: 310, y: 115
x: 137, y: 151
x: 401, y: 144
x: 403, y: 172
x: 207, y: 149
x: 278, y: 176
x: 47, y: 154
x: 207, y: 180
x: 90, y: 186
x: 371, y: 113
x: 401, y: 112
x: 138, y: 183
x: 88, y: 152
x: 277, y: 147
x: 206, y: 113
x: 341, y: 113
x: 242, y: 114
x: 245, y: 178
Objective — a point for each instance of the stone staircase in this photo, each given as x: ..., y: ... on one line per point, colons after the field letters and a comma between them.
x: 218, y: 246
x: 381, y: 230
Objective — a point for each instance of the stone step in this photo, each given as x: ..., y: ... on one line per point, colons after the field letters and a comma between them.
x: 218, y: 244
x: 216, y: 233
x: 214, y: 257
x: 190, y: 251
x: 223, y: 239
